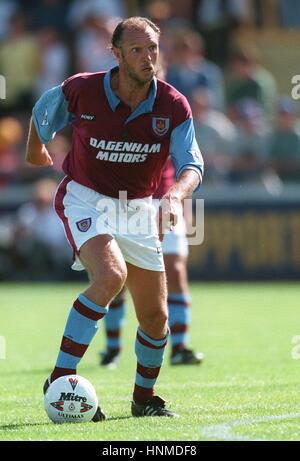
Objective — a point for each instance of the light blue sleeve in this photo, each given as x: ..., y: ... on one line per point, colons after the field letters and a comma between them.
x: 50, y: 114
x: 184, y: 149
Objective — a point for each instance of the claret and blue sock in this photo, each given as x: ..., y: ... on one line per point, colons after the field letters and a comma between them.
x: 80, y: 329
x: 149, y: 353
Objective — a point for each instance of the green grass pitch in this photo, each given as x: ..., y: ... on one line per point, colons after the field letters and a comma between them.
x: 246, y: 389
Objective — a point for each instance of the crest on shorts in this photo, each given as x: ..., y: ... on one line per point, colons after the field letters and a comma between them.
x: 160, y: 125
x: 84, y: 224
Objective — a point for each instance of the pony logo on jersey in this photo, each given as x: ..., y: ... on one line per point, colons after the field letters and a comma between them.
x: 160, y: 125
x: 87, y: 117
x: 84, y: 224
x: 73, y: 382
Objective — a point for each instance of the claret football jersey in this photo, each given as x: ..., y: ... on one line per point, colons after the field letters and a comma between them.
x: 167, y: 179
x: 114, y: 149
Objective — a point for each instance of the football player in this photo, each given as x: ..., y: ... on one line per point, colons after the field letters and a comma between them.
x: 126, y: 123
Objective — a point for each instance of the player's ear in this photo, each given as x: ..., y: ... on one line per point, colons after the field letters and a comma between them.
x: 116, y: 52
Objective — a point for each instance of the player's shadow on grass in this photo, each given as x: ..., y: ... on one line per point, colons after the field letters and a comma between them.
x: 11, y: 427
x: 118, y: 418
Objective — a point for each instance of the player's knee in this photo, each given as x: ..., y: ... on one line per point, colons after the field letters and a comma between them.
x: 111, y: 282
x: 158, y: 322
x: 116, y: 280
x: 163, y: 318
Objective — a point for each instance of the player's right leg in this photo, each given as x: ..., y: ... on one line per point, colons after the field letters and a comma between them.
x: 99, y: 254
x: 105, y: 265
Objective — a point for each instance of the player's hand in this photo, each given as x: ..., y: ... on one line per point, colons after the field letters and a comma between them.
x: 168, y: 212
x: 41, y: 158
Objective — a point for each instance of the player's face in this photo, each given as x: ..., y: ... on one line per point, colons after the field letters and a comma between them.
x: 139, y: 54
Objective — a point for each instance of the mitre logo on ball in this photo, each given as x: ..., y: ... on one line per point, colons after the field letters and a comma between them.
x: 63, y: 406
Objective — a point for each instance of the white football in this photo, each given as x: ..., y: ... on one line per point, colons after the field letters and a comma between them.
x: 71, y: 399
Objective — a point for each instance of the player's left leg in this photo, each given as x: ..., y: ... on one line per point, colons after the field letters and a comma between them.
x: 149, y: 294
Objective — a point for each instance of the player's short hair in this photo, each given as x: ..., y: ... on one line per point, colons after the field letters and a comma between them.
x: 135, y: 23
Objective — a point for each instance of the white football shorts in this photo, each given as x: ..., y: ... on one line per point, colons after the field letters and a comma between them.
x: 175, y: 241
x: 86, y: 213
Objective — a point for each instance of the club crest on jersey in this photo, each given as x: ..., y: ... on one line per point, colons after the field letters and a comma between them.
x: 160, y: 125
x: 73, y: 382
x: 84, y: 224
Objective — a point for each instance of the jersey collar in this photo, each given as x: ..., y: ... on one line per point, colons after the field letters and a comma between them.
x: 113, y: 100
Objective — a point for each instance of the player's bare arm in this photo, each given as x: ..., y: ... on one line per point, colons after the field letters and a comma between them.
x: 171, y: 202
x: 36, y: 152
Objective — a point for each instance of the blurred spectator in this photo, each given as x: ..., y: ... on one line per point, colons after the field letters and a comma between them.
x: 251, y: 144
x: 39, y: 242
x: 169, y: 12
x: 284, y: 152
x: 54, y: 60
x: 7, y: 8
x: 81, y: 10
x: 289, y: 13
x: 49, y: 13
x: 249, y: 79
x: 264, y: 13
x: 216, y: 20
x: 11, y: 133
x: 189, y: 70
x: 158, y: 10
x: 92, y: 45
x: 216, y: 136
x: 19, y: 63
x: 182, y: 9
